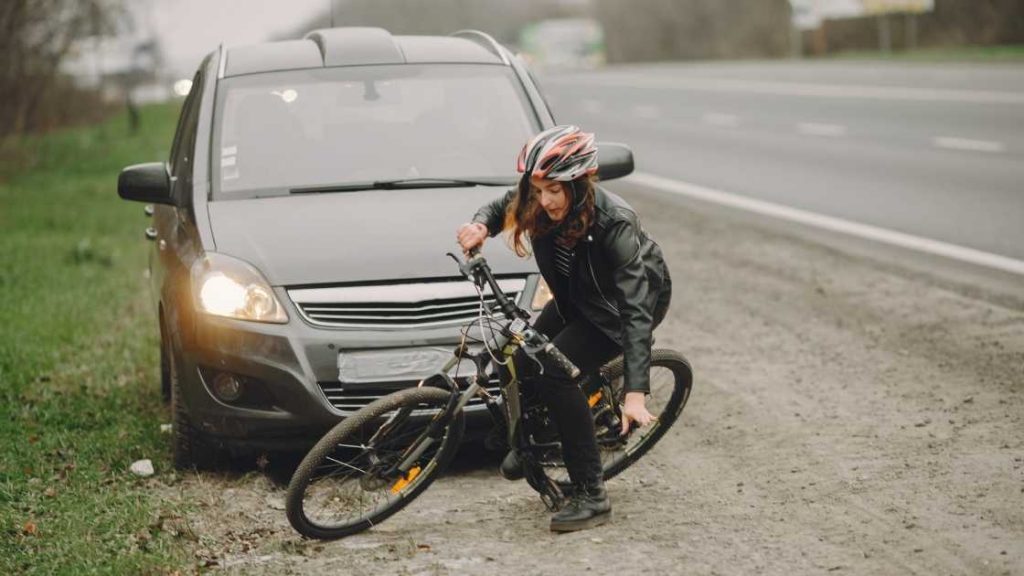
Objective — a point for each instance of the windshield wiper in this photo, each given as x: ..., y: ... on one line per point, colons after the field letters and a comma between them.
x: 403, y: 183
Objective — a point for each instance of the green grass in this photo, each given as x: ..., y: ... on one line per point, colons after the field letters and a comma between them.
x: 1006, y: 53
x: 78, y: 358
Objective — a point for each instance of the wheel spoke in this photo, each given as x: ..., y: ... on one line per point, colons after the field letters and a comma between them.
x: 347, y: 465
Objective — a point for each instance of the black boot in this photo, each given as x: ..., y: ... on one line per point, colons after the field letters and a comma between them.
x: 588, y: 507
x: 567, y: 488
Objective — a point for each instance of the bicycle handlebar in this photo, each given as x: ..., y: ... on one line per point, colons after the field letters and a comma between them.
x: 552, y: 353
x: 476, y: 268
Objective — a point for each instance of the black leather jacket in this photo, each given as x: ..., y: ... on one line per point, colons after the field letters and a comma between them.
x: 619, y: 281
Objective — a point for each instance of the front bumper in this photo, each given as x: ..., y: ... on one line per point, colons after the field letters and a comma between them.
x: 296, y: 367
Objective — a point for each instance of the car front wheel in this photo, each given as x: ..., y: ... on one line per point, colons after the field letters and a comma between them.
x: 165, y: 365
x: 189, y: 449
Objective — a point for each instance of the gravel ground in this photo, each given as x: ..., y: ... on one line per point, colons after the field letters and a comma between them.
x: 848, y: 416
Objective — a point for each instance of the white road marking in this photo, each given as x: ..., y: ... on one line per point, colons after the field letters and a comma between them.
x: 827, y: 130
x: 952, y: 143
x: 591, y: 106
x: 853, y: 91
x: 718, y: 119
x: 646, y: 111
x: 831, y: 223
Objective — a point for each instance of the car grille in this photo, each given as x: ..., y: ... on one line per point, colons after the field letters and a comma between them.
x: 425, y: 304
x: 353, y: 397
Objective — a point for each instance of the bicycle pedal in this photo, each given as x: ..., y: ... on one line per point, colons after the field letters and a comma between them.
x: 546, y: 445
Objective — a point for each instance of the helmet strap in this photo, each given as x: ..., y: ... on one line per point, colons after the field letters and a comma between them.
x: 578, y: 198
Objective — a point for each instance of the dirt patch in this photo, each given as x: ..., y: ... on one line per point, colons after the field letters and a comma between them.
x: 846, y: 418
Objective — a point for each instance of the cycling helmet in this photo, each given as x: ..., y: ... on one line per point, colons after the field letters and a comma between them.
x: 562, y: 153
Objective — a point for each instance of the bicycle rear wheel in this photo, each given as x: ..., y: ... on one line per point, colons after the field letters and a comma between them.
x: 671, y: 382
x: 348, y: 481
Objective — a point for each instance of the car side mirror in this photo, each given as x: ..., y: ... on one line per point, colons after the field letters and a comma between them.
x: 613, y: 160
x: 148, y: 182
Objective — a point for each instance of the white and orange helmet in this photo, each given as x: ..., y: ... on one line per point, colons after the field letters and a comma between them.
x: 562, y: 153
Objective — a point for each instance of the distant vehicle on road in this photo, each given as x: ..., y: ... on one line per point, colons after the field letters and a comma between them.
x: 564, y: 43
x: 300, y: 226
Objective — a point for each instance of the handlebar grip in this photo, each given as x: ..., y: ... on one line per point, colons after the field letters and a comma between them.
x: 560, y: 360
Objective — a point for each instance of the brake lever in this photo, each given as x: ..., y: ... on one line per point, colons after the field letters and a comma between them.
x: 533, y: 343
x: 467, y: 270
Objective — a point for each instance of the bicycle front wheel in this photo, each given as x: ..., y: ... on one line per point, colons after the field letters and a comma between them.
x: 349, y: 481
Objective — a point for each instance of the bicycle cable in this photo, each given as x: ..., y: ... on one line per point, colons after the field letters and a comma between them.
x: 481, y: 315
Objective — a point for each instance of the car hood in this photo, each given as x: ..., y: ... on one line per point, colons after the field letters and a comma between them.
x: 366, y: 236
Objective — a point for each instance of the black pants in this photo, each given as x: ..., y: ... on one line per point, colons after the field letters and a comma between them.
x: 588, y: 348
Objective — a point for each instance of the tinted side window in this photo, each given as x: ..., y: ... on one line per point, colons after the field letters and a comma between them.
x: 179, y: 131
x: 184, y: 141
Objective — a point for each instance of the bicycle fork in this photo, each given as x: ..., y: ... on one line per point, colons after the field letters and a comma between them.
x: 436, y: 429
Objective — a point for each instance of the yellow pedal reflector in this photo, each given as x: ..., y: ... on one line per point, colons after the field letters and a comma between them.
x: 594, y: 398
x: 403, y: 482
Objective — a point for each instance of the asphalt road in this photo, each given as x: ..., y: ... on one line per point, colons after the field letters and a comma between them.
x: 936, y: 151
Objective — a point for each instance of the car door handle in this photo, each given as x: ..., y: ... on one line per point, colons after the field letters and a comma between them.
x: 150, y: 233
x: 148, y: 209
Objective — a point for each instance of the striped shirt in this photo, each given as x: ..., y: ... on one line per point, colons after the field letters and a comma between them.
x: 563, y: 259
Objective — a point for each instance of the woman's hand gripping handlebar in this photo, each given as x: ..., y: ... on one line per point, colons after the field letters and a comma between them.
x: 471, y: 235
x: 552, y: 354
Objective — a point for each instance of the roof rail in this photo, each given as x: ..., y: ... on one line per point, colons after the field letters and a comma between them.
x: 486, y: 40
x: 222, y: 61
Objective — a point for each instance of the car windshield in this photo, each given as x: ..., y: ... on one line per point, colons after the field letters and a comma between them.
x: 334, y: 127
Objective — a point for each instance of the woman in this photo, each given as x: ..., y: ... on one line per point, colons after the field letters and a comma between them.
x: 611, y: 289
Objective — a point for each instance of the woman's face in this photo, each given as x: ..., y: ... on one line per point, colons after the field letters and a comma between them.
x: 552, y: 197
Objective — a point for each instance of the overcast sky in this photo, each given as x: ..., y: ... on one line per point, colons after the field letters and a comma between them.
x: 189, y: 29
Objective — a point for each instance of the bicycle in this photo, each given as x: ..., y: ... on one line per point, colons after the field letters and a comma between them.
x: 376, y: 461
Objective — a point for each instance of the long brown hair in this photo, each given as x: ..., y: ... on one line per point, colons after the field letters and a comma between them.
x: 525, y: 219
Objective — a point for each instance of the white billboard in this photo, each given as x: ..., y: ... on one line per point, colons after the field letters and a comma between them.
x: 872, y: 7
x: 808, y: 14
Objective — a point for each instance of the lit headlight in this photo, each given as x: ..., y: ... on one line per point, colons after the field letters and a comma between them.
x: 541, y: 296
x: 226, y: 286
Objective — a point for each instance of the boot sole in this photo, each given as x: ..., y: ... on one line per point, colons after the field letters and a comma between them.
x: 592, y: 522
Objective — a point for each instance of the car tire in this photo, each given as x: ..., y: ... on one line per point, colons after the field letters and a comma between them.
x: 188, y: 447
x: 165, y: 364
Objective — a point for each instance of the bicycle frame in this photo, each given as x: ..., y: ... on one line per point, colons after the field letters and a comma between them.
x: 460, y: 398
x: 515, y: 334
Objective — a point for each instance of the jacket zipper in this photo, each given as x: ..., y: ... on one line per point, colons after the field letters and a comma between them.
x: 557, y: 309
x: 590, y: 265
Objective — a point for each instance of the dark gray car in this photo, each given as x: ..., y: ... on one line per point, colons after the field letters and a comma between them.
x: 301, y: 224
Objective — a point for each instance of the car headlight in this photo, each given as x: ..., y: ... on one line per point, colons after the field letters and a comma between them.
x: 541, y: 296
x: 226, y: 286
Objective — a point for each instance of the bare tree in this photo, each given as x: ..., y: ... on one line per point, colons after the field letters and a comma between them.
x: 952, y: 23
x: 35, y: 38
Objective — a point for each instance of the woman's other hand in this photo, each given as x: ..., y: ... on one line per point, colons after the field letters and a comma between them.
x: 635, y: 410
x: 471, y: 235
